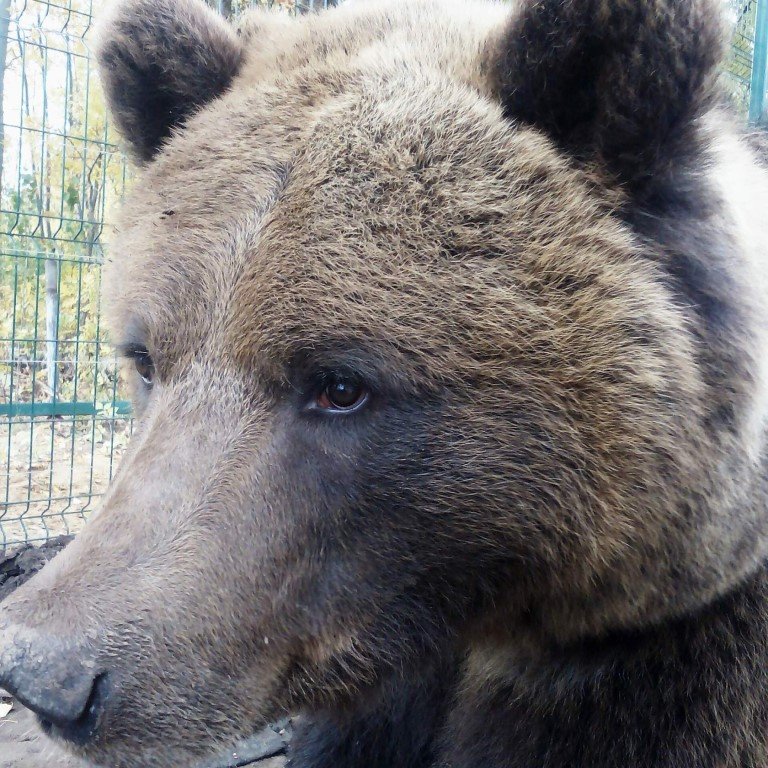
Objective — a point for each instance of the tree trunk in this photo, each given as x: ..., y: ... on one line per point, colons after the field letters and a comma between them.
x: 52, y: 322
x: 5, y: 21
x: 52, y: 264
x: 224, y: 7
x: 51, y: 288
x: 95, y: 187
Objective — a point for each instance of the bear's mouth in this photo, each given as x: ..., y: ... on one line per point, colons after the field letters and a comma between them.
x: 270, y: 741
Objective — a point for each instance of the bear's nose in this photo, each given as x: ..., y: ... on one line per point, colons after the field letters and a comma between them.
x: 56, y: 679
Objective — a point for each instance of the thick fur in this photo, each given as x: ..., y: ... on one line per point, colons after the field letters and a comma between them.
x: 544, y: 540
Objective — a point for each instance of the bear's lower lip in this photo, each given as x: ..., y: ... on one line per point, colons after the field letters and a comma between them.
x: 265, y: 743
x: 82, y: 730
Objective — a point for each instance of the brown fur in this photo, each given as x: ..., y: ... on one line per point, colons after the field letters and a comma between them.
x: 544, y: 537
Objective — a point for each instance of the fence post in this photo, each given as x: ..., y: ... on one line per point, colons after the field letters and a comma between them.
x: 5, y: 20
x: 759, y: 64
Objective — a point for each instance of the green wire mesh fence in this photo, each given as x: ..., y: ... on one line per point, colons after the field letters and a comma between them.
x: 63, y: 419
x: 745, y: 68
x: 62, y: 424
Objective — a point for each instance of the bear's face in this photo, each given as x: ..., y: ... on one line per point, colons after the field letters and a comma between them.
x: 405, y: 376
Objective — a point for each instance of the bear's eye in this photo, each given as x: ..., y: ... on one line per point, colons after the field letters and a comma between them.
x: 342, y: 395
x: 144, y: 366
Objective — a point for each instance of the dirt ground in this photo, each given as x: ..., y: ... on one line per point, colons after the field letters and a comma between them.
x: 52, y: 473
x: 23, y: 746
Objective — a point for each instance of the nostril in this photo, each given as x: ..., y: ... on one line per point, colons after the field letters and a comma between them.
x: 82, y: 729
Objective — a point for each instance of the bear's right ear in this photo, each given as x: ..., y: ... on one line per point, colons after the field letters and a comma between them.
x: 617, y: 82
x: 160, y: 61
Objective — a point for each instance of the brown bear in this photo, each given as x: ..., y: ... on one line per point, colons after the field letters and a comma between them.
x: 449, y: 325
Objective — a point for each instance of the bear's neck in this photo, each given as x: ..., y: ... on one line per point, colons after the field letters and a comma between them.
x: 690, y: 692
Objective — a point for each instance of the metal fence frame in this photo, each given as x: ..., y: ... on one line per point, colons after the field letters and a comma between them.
x: 759, y: 64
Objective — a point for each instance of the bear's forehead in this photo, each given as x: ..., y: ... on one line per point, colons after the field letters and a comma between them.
x: 394, y: 213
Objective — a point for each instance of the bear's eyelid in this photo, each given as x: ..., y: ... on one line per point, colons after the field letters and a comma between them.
x: 132, y: 350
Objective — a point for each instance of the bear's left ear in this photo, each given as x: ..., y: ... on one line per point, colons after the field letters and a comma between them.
x: 619, y: 82
x: 160, y: 61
